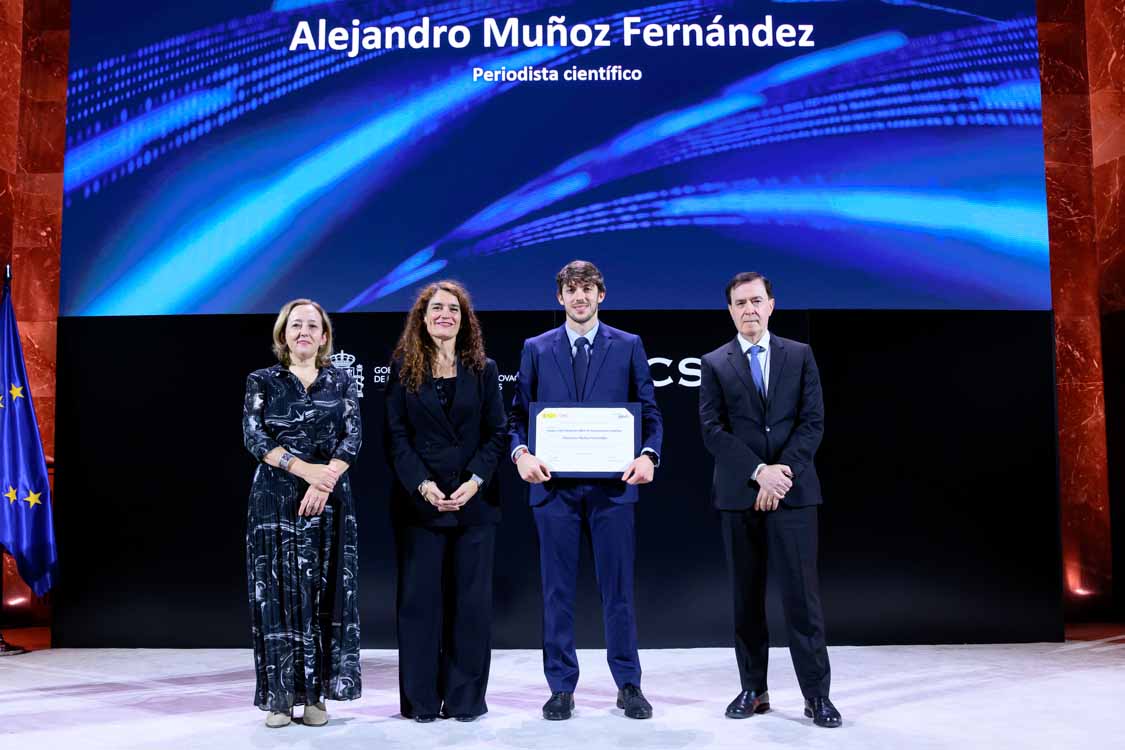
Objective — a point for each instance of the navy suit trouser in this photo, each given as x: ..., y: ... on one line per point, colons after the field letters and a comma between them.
x: 559, y: 522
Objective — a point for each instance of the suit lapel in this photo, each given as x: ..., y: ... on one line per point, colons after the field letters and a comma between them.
x: 741, y: 366
x: 427, y: 394
x: 603, y: 341
x: 777, y: 365
x: 566, y: 362
x: 461, y: 389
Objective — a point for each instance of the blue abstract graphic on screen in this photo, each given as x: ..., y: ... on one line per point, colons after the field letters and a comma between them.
x: 896, y: 164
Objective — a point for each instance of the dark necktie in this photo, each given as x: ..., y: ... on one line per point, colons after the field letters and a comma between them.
x: 581, y: 364
x: 756, y: 370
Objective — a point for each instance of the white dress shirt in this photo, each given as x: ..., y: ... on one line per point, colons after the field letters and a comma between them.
x: 764, y: 361
x: 573, y: 335
x: 763, y: 356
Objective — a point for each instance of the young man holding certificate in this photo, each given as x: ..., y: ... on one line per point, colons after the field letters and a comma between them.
x: 576, y: 440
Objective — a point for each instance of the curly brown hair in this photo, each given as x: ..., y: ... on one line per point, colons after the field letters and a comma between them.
x: 416, y: 349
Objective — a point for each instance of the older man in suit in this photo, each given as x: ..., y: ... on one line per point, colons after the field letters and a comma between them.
x: 588, y: 361
x: 762, y: 415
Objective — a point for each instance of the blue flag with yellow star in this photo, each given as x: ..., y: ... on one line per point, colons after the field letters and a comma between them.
x: 26, y: 528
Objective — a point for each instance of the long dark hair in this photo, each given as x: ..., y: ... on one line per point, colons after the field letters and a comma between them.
x: 416, y: 349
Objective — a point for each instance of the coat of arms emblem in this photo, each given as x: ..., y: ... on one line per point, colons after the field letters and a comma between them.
x: 345, y: 361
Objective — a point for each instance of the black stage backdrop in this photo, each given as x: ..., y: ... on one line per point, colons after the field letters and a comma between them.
x: 938, y: 465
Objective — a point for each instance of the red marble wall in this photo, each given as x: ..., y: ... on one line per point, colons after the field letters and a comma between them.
x: 1105, y: 54
x: 1082, y: 61
x: 34, y: 39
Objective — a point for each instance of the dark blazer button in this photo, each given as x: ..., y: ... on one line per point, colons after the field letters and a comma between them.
x: 767, y: 429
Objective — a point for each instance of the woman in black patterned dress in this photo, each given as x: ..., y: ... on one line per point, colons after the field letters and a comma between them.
x: 301, y: 421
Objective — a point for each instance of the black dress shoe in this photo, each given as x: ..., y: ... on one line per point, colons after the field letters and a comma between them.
x: 444, y: 714
x: 747, y: 703
x: 823, y: 713
x: 558, y: 708
x: 425, y: 718
x: 633, y: 701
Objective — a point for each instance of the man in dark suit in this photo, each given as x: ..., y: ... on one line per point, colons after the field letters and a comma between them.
x: 762, y: 416
x: 586, y: 360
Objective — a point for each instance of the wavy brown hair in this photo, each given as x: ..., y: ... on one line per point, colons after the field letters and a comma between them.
x: 579, y: 272
x: 416, y: 349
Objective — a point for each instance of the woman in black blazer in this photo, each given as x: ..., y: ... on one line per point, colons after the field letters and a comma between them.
x: 446, y: 433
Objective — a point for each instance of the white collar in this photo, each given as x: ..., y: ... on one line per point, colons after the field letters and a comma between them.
x: 589, y: 335
x: 763, y: 342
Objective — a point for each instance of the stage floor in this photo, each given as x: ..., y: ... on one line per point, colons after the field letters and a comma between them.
x: 1005, y: 696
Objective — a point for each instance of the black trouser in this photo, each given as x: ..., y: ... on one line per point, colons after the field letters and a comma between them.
x: 444, y: 618
x: 788, y: 538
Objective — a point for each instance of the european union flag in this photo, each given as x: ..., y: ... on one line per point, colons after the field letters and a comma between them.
x: 26, y: 529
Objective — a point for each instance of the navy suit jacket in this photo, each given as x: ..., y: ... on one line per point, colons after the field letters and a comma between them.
x: 741, y: 431
x: 618, y: 372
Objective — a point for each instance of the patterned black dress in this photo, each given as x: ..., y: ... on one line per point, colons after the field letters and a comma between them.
x: 301, y: 570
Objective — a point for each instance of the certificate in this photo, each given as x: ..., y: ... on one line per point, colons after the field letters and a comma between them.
x: 583, y: 440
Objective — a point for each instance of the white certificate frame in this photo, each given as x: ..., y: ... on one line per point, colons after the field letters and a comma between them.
x: 596, y: 454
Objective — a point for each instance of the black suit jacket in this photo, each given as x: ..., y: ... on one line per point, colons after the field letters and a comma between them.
x: 741, y: 431
x: 423, y: 443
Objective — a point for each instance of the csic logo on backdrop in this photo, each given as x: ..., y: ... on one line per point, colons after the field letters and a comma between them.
x: 665, y: 372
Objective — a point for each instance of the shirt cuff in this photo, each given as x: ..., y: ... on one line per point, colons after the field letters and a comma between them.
x: 516, y: 450
x: 478, y: 480
x: 754, y: 476
x: 652, y: 455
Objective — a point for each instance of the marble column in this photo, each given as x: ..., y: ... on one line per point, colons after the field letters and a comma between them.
x: 1105, y: 55
x: 1076, y: 140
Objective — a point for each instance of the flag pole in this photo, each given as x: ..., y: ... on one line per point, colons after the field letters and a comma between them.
x: 7, y: 649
